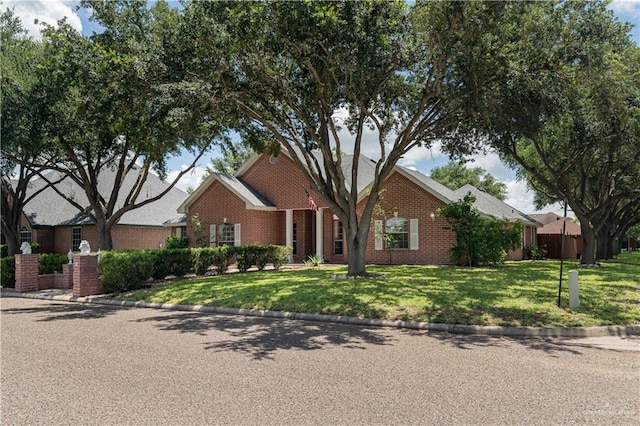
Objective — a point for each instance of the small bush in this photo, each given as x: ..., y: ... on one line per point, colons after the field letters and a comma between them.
x: 246, y: 257
x: 125, y: 271
x: 4, y: 250
x: 203, y: 258
x: 50, y: 263
x: 8, y: 272
x: 313, y: 260
x: 535, y: 252
x: 279, y: 255
x: 176, y: 243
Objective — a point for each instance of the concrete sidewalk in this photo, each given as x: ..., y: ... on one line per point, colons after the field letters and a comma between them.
x: 618, y: 338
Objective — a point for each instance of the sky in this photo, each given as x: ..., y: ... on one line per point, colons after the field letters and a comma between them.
x: 421, y: 159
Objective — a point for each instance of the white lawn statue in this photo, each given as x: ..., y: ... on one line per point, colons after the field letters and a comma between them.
x: 84, y: 247
x: 25, y: 248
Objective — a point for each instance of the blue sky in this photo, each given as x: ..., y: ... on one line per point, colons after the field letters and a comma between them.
x: 420, y: 159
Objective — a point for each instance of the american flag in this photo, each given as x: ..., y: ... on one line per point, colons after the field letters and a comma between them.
x: 312, y: 204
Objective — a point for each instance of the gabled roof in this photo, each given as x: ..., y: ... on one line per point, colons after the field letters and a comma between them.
x: 487, y: 205
x: 490, y: 205
x: 553, y: 224
x: 50, y: 209
x: 253, y: 200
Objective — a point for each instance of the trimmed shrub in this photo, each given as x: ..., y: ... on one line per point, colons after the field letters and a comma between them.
x: 178, y: 262
x: 176, y: 243
x: 203, y: 258
x: 125, y: 271
x: 245, y: 257
x: 8, y: 272
x: 279, y: 255
x: 262, y: 256
x: 50, y: 263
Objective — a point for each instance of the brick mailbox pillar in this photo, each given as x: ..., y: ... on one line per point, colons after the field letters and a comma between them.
x: 67, y: 276
x: 26, y: 272
x: 85, y: 276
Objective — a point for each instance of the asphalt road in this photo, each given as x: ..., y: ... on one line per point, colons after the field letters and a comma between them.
x: 66, y: 363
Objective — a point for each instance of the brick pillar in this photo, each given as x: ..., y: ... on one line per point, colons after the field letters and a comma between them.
x: 85, y: 276
x: 26, y: 272
x: 67, y: 276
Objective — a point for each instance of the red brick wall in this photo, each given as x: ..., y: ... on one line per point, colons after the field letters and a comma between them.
x: 137, y: 237
x: 281, y: 183
x: 413, y: 202
x: 124, y: 237
x: 218, y: 202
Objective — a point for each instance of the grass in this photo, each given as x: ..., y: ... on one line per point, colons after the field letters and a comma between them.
x: 513, y: 294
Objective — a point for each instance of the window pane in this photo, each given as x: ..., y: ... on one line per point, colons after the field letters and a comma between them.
x: 225, y: 234
x: 397, y: 233
x: 76, y: 239
x: 338, y: 233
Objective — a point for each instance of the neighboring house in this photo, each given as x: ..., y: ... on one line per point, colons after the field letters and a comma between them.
x: 550, y: 236
x: 266, y: 202
x: 57, y: 226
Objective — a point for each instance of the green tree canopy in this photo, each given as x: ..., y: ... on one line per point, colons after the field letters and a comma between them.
x: 455, y: 175
x: 401, y: 72
x: 119, y: 100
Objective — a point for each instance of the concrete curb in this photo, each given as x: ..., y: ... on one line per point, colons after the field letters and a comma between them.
x: 533, y: 332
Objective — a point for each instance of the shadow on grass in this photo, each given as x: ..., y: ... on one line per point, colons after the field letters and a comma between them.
x: 66, y: 311
x: 260, y: 338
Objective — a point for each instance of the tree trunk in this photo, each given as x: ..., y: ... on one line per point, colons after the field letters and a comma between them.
x: 13, y: 243
x: 588, y: 241
x: 104, y: 236
x: 356, y: 248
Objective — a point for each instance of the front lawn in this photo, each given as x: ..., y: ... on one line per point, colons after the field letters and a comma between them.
x: 513, y: 294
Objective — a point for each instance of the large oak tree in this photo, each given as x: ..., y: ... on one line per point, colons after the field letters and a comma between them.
x: 403, y: 73
x: 119, y: 100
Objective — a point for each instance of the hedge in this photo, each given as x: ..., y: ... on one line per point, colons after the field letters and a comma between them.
x: 128, y: 270
x: 8, y: 272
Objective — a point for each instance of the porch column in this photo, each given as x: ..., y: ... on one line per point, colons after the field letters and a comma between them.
x: 288, y: 215
x: 319, y: 232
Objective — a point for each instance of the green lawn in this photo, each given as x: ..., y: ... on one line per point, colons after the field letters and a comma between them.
x: 512, y: 294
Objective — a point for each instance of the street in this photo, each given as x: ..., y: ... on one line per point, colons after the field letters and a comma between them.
x: 68, y: 363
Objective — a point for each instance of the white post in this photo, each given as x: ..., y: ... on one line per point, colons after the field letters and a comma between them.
x: 288, y: 215
x: 574, y: 293
x: 319, y: 232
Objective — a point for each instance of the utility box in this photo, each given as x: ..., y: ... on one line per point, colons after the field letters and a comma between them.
x: 574, y: 290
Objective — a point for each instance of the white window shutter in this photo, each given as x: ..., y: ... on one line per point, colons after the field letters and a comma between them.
x: 379, y: 232
x: 178, y: 232
x: 212, y: 235
x: 236, y: 234
x: 413, y: 234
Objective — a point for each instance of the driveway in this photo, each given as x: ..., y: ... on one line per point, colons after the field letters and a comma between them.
x: 66, y: 363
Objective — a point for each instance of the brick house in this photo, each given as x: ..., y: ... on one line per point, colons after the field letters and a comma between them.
x: 265, y: 203
x: 57, y: 226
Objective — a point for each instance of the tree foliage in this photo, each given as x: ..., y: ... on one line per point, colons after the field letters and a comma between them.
x: 234, y: 155
x: 310, y: 76
x: 479, y: 241
x: 118, y: 101
x: 455, y: 175
x: 572, y: 128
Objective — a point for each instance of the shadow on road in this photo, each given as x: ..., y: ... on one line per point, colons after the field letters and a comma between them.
x: 469, y: 342
x: 261, y: 337
x: 65, y: 311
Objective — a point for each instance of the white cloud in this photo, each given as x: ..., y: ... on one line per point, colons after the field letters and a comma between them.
x: 625, y: 7
x: 49, y: 11
x: 191, y: 179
